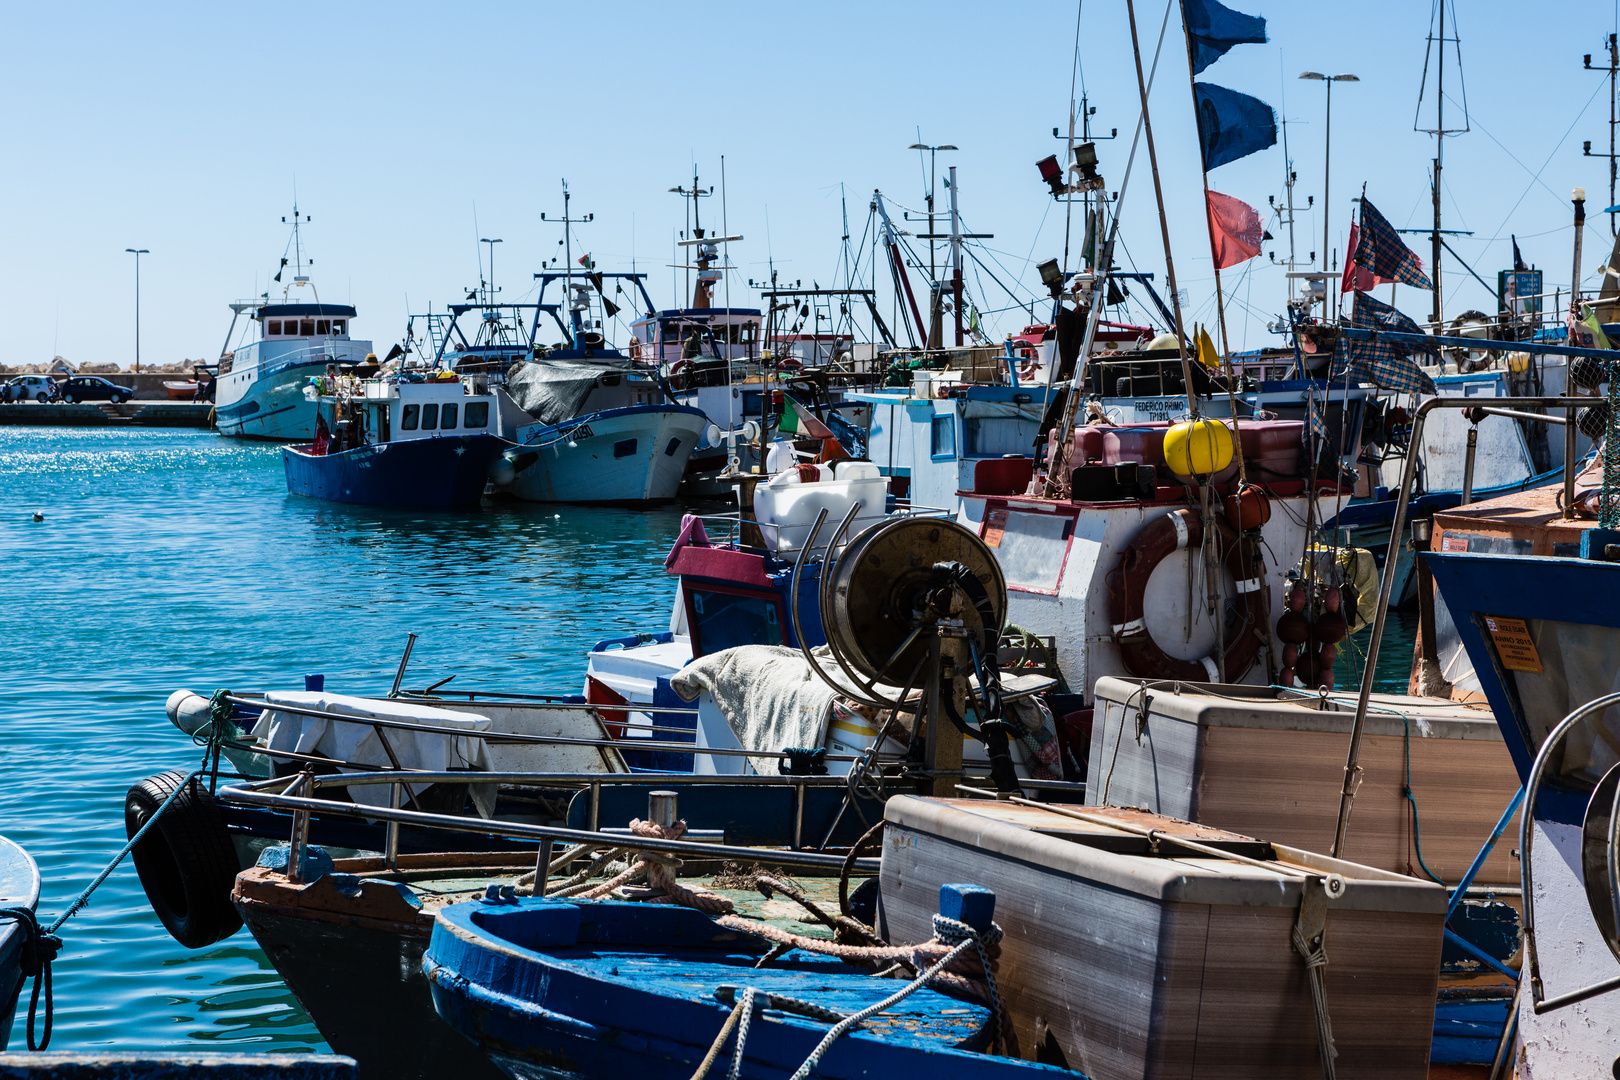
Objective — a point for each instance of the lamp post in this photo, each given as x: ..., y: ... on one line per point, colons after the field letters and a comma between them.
x: 1327, y: 156
x: 137, y: 252
x: 489, y: 296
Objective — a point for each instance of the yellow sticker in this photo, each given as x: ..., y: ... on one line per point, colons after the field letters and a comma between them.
x: 1513, y: 645
x: 995, y: 524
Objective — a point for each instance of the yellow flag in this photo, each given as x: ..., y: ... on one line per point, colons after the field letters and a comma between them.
x: 1206, y: 351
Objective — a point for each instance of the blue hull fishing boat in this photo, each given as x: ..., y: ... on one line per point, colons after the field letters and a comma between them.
x: 398, y: 440
x: 558, y: 989
x: 19, y: 888
x: 433, y: 474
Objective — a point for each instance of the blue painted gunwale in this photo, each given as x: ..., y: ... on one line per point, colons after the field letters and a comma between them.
x: 19, y: 887
x: 1556, y: 589
x: 434, y: 473
x: 623, y: 989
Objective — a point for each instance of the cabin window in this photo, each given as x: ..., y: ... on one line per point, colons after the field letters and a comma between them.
x: 338, y: 326
x: 306, y: 328
x: 447, y: 418
x: 722, y: 619
x: 430, y: 416
x: 323, y: 327
x: 747, y: 332
x: 477, y: 414
x: 942, y: 437
x: 410, y: 418
x: 273, y: 326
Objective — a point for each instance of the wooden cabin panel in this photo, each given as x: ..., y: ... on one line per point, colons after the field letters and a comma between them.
x: 1257, y: 1016
x: 1283, y: 786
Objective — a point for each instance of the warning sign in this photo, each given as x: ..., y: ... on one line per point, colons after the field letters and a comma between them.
x: 1513, y: 645
x: 995, y: 524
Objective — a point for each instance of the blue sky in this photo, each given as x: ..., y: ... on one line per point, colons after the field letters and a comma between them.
x: 183, y: 129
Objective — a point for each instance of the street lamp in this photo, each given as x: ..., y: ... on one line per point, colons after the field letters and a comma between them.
x: 137, y: 252
x: 491, y: 293
x: 1327, y: 154
x: 932, y: 150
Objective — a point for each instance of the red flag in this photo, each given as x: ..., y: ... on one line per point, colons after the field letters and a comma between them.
x: 1357, y: 278
x: 1234, y: 229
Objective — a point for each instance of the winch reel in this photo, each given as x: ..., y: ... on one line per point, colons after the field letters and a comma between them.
x: 916, y: 602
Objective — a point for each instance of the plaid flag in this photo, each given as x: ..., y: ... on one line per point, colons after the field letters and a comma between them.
x: 1313, y: 414
x: 1380, y: 250
x: 1382, y: 363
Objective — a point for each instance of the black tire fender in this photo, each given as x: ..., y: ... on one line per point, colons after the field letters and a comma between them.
x: 187, y: 863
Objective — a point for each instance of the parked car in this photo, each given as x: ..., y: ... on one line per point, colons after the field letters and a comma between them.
x: 41, y: 388
x: 92, y: 388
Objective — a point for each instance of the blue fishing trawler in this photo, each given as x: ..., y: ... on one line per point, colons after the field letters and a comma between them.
x: 392, y: 441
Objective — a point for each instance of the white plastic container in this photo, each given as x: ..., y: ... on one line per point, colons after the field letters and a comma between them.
x: 786, y: 508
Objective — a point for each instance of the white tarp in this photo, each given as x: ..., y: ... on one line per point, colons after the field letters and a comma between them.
x: 359, y: 742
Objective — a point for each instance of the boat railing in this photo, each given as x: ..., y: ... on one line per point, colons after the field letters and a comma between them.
x: 381, y: 725
x: 733, y: 528
x: 1570, y: 403
x: 298, y: 795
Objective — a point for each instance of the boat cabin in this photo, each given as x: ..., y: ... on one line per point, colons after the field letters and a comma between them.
x: 385, y: 411
x: 281, y: 321
x: 723, y: 334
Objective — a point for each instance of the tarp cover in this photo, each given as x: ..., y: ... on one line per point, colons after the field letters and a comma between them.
x: 552, y: 391
x: 358, y: 742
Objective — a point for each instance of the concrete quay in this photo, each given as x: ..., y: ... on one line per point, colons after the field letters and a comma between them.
x: 137, y: 413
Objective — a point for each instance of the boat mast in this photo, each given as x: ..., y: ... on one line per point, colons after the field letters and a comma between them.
x: 1209, y: 222
x: 1614, y: 89
x: 694, y: 227
x: 568, y: 262
x: 1440, y: 131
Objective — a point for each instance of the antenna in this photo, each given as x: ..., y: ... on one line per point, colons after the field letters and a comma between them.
x: 694, y: 225
x: 1436, y: 49
x: 568, y: 260
x: 1613, y: 71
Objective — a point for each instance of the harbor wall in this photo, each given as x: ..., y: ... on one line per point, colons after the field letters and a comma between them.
x: 103, y: 414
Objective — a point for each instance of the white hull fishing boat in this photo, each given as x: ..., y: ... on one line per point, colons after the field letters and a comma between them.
x: 632, y: 455
x: 259, y: 385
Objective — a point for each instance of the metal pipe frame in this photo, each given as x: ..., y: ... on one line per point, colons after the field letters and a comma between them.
x: 1538, y: 1003
x: 1352, y: 768
x: 545, y: 740
x: 302, y: 807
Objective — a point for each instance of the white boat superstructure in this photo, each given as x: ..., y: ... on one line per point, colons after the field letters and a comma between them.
x: 261, y: 383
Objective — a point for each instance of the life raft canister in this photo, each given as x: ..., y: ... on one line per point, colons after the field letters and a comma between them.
x: 1127, y: 584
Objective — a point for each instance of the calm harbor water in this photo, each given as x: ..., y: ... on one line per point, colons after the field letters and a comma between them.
x: 177, y: 559
x: 172, y: 560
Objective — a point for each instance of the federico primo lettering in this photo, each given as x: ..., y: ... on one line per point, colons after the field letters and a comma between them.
x: 1154, y: 408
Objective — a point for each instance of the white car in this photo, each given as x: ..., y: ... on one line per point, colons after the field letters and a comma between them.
x: 41, y: 388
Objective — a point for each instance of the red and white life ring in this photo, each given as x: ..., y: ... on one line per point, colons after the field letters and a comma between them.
x: 1127, y: 584
x: 677, y: 375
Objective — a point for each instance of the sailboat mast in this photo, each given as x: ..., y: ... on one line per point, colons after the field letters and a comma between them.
x: 1209, y: 222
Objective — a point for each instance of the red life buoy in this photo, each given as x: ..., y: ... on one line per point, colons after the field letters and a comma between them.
x: 1128, y: 582
x: 677, y: 377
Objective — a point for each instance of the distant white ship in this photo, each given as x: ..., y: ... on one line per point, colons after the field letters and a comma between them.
x: 260, y: 383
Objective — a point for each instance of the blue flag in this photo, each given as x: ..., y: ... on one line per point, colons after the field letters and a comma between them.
x: 1213, y: 28
x: 1231, y: 125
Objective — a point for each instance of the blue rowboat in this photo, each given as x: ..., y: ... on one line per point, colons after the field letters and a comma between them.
x: 19, y: 888
x: 563, y: 990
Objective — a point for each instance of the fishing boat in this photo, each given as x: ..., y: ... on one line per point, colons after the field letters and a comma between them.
x: 19, y: 890
x: 600, y: 427
x: 548, y: 987
x: 260, y: 382
x: 390, y: 441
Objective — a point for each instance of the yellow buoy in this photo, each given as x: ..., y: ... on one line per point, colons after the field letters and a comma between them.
x: 1198, y: 448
